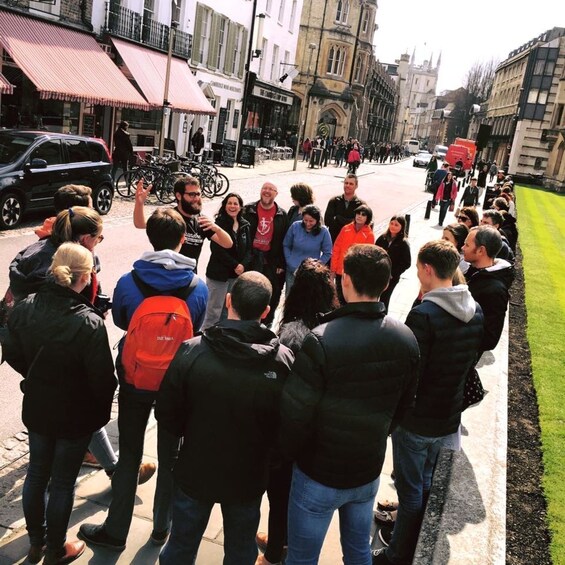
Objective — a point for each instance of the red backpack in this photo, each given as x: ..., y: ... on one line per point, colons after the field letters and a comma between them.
x: 157, y: 328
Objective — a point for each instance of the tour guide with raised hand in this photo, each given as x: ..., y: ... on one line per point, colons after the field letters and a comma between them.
x: 341, y: 209
x: 353, y: 378
x: 222, y: 394
x: 189, y: 205
x: 160, y: 304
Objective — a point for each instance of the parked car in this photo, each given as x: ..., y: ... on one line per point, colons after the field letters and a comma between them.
x: 422, y: 159
x: 34, y: 164
x: 440, y: 151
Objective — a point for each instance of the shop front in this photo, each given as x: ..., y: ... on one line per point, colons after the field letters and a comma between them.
x: 271, y: 117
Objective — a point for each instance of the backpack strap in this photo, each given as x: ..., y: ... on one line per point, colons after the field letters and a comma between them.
x: 183, y: 293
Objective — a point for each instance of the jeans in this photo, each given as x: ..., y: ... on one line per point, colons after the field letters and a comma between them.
x: 133, y: 414
x: 190, y: 518
x: 443, y: 208
x: 56, y: 461
x: 414, y: 459
x: 216, y: 307
x: 310, y: 511
x: 102, y: 449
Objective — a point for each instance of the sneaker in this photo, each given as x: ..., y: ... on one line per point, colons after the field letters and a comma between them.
x: 385, y: 535
x: 159, y: 538
x: 146, y: 471
x: 35, y: 553
x: 387, y: 505
x: 97, y: 535
x: 379, y: 557
x: 90, y: 461
x: 71, y: 550
x: 384, y: 518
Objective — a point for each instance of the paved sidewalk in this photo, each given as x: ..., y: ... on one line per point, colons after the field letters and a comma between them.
x: 93, y: 490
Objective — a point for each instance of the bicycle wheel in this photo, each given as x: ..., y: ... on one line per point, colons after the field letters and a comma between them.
x: 165, y: 187
x: 221, y: 184
x: 207, y: 185
x: 127, y: 183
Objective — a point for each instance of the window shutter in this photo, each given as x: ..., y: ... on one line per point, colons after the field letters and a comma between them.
x: 213, y: 46
x: 243, y: 56
x: 197, y: 33
x: 230, y: 46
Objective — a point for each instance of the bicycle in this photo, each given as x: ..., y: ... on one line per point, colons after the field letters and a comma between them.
x: 161, y: 178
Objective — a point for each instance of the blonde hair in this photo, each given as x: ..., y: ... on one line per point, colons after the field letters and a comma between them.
x: 74, y: 222
x: 71, y: 261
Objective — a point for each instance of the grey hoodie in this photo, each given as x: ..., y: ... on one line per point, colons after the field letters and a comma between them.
x: 455, y: 300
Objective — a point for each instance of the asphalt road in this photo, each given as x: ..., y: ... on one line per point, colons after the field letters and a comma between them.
x: 387, y: 189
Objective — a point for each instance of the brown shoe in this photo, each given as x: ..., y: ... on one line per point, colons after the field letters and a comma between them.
x: 146, y: 471
x: 35, y: 553
x: 73, y: 550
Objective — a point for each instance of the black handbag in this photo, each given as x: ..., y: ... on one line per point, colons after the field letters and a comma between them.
x: 473, y: 392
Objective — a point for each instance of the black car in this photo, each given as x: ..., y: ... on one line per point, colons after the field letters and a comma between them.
x: 34, y: 164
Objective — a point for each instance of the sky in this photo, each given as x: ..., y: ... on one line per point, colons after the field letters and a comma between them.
x: 489, y: 30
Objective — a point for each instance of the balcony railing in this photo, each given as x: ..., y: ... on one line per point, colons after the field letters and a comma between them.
x: 128, y: 24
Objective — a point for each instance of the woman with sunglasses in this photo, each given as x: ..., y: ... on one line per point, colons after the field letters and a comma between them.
x: 357, y: 231
x: 394, y: 242
x: 445, y: 195
x: 58, y: 342
x: 468, y: 216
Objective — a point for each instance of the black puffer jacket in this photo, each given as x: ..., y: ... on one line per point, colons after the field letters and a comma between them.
x: 351, y: 382
x: 58, y: 342
x: 223, y: 261
x: 510, y: 230
x: 448, y: 325
x: 339, y: 213
x: 276, y: 255
x: 398, y: 250
x: 490, y: 288
x: 222, y: 394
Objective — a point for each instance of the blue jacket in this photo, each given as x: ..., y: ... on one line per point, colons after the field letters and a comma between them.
x: 127, y: 296
x: 299, y: 245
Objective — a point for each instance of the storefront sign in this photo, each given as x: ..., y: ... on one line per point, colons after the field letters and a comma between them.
x: 225, y: 86
x: 247, y: 155
x: 228, y: 153
x: 263, y: 92
x: 88, y: 123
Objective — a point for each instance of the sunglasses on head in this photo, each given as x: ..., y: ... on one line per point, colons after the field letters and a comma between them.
x: 462, y: 218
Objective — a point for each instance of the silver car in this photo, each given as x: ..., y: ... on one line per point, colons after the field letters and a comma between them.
x: 422, y: 159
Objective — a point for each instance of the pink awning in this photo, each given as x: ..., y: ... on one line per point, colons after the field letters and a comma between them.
x: 148, y: 69
x: 6, y: 87
x: 65, y: 64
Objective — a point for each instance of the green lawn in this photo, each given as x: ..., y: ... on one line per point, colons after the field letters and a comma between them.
x: 541, y: 221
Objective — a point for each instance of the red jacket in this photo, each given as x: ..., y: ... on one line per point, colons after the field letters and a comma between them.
x: 346, y: 238
x: 439, y: 194
x: 354, y: 156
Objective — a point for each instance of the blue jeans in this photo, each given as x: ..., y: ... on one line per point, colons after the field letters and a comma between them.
x: 414, y: 459
x: 443, y: 208
x: 102, y: 449
x: 133, y: 414
x: 310, y: 511
x: 56, y: 461
x: 190, y: 518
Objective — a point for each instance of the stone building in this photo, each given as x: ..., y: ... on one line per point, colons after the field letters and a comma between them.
x: 382, y: 101
x: 555, y: 170
x: 334, y: 55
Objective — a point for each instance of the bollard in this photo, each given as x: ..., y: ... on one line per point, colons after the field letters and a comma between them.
x: 428, y: 210
x: 407, y: 216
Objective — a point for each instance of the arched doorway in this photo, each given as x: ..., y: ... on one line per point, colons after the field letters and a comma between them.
x: 327, y: 124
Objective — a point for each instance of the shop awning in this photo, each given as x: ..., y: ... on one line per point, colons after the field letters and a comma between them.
x: 65, y: 64
x: 5, y: 86
x: 148, y: 69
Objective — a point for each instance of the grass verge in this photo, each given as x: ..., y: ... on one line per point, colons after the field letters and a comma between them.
x: 541, y: 217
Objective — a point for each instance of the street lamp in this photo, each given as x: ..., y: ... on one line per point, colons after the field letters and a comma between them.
x: 301, y: 121
x: 166, y: 103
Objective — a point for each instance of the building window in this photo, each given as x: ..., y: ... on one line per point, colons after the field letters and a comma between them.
x: 268, y: 6
x: 49, y: 9
x: 358, y: 72
x: 229, y: 105
x: 342, y: 11
x: 222, y: 33
x: 281, y: 12
x: 204, y: 36
x: 274, y: 65
x: 211, y: 120
x: 237, y: 51
x: 292, y: 15
x: 262, y: 58
x: 336, y: 61
x: 365, y: 24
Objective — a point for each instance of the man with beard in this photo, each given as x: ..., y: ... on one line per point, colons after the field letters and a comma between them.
x: 189, y: 205
x: 268, y: 227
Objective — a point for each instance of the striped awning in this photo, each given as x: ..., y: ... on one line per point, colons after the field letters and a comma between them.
x: 65, y: 64
x: 6, y: 87
x: 148, y: 68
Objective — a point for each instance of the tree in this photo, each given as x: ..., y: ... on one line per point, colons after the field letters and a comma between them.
x: 479, y: 80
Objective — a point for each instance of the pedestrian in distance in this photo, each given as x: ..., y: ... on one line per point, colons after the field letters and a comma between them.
x: 446, y: 195
x: 395, y: 242
x: 226, y: 385
x: 312, y: 294
x: 353, y: 159
x: 492, y: 171
x: 123, y: 153
x: 306, y: 238
x: 197, y: 141
x: 471, y: 194
x: 160, y: 303
x: 226, y: 265
x: 353, y: 378
x: 59, y: 344
x: 268, y: 223
x: 447, y: 315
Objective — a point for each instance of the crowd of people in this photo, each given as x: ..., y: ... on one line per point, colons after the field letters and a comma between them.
x: 300, y: 409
